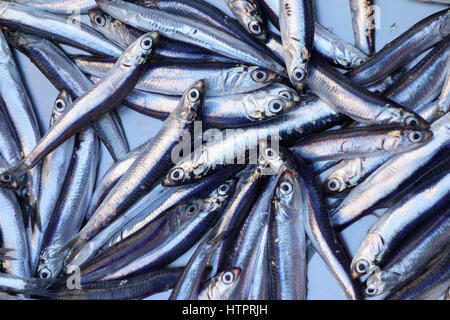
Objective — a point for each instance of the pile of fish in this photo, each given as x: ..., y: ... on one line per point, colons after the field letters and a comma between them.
x: 301, y: 134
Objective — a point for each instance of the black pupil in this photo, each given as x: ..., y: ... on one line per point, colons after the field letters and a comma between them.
x: 276, y: 106
x: 44, y: 275
x: 260, y: 75
x: 413, y: 122
x: 286, y: 187
x: 223, y: 188
x: 6, y: 177
x: 147, y: 42
x: 299, y: 75
x: 416, y: 136
x: 255, y: 27
x: 99, y: 20
x: 193, y: 94
x: 192, y: 209
x: 59, y: 105
x: 371, y: 290
x: 227, y: 277
x: 333, y: 185
x: 269, y: 153
x: 176, y: 174
x: 362, y: 267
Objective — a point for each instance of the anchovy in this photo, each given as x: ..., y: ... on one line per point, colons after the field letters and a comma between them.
x: 55, y: 168
x: 18, y: 108
x: 182, y: 28
x: 73, y: 201
x: 297, y: 36
x: 306, y: 118
x: 65, y: 75
x: 10, y: 149
x: 60, y: 6
x: 102, y: 97
x: 249, y: 14
x: 220, y: 286
x: 287, y: 240
x: 360, y: 141
x: 357, y: 102
x: 137, y: 287
x: 171, y: 239
x: 420, y: 37
x: 429, y: 285
x: 224, y: 111
x: 415, y: 88
x: 382, y: 184
x: 250, y: 242
x: 412, y: 257
x: 124, y: 35
x: 422, y: 202
x: 151, y: 163
x: 321, y: 233
x: 271, y: 9
x: 170, y: 78
x: 363, y: 19
x: 56, y: 27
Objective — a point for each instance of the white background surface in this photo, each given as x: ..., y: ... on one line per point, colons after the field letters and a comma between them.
x: 396, y: 17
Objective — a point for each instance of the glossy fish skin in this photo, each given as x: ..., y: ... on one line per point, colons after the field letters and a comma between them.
x: 145, y: 171
x: 251, y: 242
x: 56, y: 27
x: 382, y: 184
x: 270, y: 8
x: 13, y: 235
x: 297, y: 36
x: 363, y: 25
x: 420, y: 37
x: 9, y: 146
x: 207, y: 212
x: 309, y: 116
x: 72, y: 204
x: 357, y: 102
x: 60, y: 6
x: 123, y: 35
x: 422, y: 84
x: 415, y: 253
x: 429, y: 285
x: 249, y: 14
x: 112, y: 176
x: 360, y: 141
x: 443, y: 104
x: 260, y: 287
x: 182, y: 28
x: 65, y: 75
x: 55, y: 167
x: 220, y: 286
x: 287, y: 240
x: 224, y: 111
x: 137, y: 287
x: 421, y: 203
x: 321, y: 233
x: 101, y: 98
x: 18, y: 108
x: 171, y: 77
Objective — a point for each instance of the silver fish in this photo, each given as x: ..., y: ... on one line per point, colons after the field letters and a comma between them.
x: 60, y: 6
x: 248, y: 13
x: 219, y: 287
x: 364, y: 24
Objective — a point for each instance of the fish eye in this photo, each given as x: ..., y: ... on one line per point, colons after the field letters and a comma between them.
x: 100, y: 20
x: 177, y: 174
x: 415, y: 136
x: 223, y: 189
x: 193, y: 95
x: 270, y: 153
x: 6, y: 177
x: 45, y: 273
x: 411, y: 122
x: 333, y: 185
x: 60, y: 105
x: 299, y: 74
x: 276, y: 106
x: 286, y: 94
x: 227, y: 277
x: 286, y: 188
x: 192, y: 209
x: 362, y: 266
x: 259, y: 75
x: 358, y: 62
x: 255, y: 27
x: 146, y: 43
x: 370, y: 291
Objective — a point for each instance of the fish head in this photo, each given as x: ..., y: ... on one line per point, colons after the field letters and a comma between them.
x: 365, y: 259
x: 137, y: 52
x: 297, y: 61
x: 99, y: 19
x: 51, y: 263
x: 223, y: 283
x: 403, y: 139
x: 8, y: 180
x: 377, y: 283
x: 288, y: 197
x: 444, y: 24
x: 189, y: 108
x: 397, y: 115
x: 62, y: 103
